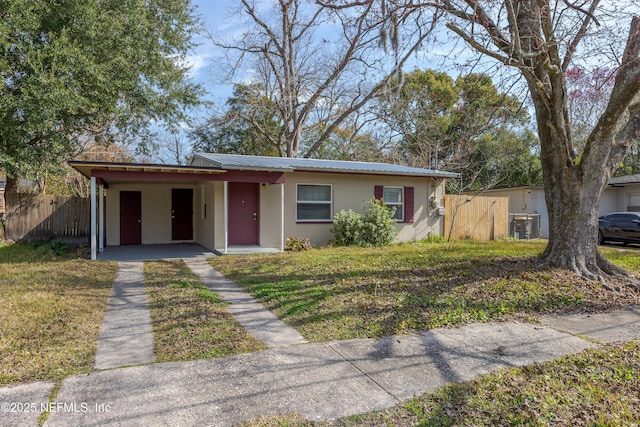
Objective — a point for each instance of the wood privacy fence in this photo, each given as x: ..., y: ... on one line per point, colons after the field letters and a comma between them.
x: 474, y: 217
x: 43, y: 217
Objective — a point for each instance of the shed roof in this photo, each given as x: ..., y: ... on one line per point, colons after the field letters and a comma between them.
x: 627, y: 179
x: 288, y: 164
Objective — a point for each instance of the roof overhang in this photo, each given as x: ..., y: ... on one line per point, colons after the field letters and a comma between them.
x: 106, y: 172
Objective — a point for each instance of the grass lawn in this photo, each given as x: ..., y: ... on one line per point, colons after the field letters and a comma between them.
x: 599, y: 387
x: 342, y: 293
x: 52, y: 301
x: 189, y: 321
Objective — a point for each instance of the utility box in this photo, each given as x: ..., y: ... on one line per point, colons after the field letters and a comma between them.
x: 524, y: 226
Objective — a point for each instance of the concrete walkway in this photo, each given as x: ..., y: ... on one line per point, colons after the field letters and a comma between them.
x: 318, y: 381
x: 126, y: 335
x: 257, y: 320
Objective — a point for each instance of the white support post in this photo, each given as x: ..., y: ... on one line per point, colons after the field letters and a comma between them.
x: 101, y: 221
x: 226, y: 216
x: 93, y: 218
x: 282, y: 217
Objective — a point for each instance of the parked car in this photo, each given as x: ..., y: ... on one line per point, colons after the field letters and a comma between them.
x: 621, y: 227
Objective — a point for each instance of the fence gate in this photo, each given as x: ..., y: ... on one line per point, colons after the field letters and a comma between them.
x: 35, y: 217
x: 475, y: 217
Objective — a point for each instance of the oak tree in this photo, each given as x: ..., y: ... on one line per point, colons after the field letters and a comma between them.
x: 77, y: 70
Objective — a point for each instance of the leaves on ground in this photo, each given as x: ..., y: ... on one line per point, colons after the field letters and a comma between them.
x: 341, y: 293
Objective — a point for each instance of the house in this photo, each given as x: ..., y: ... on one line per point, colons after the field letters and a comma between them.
x: 223, y: 200
x: 622, y: 194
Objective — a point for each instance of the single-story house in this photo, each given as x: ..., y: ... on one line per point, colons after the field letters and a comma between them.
x: 225, y: 200
x: 621, y: 195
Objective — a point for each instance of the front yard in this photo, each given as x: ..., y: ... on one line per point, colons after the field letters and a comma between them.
x: 52, y: 302
x: 342, y: 293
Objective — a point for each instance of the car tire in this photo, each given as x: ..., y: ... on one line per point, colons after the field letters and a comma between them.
x: 600, y: 238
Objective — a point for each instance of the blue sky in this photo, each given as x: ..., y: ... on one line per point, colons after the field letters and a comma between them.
x: 217, y: 18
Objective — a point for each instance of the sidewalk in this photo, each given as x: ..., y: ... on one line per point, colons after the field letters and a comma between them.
x: 317, y: 381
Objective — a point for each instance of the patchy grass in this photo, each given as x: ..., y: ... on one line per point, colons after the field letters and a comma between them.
x: 52, y: 301
x: 189, y: 321
x: 598, y: 387
x: 342, y: 293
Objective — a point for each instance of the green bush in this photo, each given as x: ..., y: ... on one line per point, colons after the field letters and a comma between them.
x: 348, y: 227
x: 374, y: 228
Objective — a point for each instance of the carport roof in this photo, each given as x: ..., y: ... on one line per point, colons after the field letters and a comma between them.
x: 132, y: 170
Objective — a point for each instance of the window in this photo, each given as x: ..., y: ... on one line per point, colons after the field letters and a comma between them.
x: 399, y: 197
x: 633, y: 203
x: 313, y: 203
x: 394, y: 198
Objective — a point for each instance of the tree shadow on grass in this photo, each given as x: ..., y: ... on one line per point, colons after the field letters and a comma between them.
x: 374, y: 302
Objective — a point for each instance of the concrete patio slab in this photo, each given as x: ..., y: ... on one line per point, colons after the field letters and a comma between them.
x: 22, y: 405
x: 614, y: 326
x: 126, y: 334
x: 126, y: 253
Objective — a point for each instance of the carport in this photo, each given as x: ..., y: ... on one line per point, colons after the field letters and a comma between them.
x: 152, y: 204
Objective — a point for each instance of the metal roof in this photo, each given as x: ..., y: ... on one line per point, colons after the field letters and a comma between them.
x: 628, y: 179
x: 288, y: 164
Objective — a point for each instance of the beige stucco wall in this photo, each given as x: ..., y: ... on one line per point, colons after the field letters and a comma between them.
x: 271, y: 215
x: 352, y: 191
x: 349, y: 192
x: 204, y: 214
x: 616, y: 199
x: 156, y: 211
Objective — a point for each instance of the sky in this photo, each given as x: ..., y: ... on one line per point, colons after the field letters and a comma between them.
x: 217, y: 19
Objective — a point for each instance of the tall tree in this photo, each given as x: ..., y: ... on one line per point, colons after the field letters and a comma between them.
x: 78, y: 69
x: 319, y: 65
x: 464, y: 125
x: 249, y: 125
x: 542, y: 40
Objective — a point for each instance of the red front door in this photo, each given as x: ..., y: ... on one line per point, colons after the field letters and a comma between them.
x: 181, y: 214
x: 243, y: 213
x: 130, y: 218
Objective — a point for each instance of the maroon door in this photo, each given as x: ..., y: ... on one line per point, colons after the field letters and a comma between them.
x: 243, y: 213
x: 130, y: 218
x: 181, y: 214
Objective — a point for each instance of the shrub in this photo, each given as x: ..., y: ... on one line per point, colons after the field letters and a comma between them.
x: 348, y: 227
x: 373, y: 228
x: 379, y: 225
x: 296, y: 245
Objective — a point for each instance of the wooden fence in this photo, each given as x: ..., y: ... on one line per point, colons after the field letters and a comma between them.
x: 43, y: 217
x: 474, y: 217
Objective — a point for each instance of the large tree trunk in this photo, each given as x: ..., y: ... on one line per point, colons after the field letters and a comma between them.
x: 541, y: 39
x: 573, y: 185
